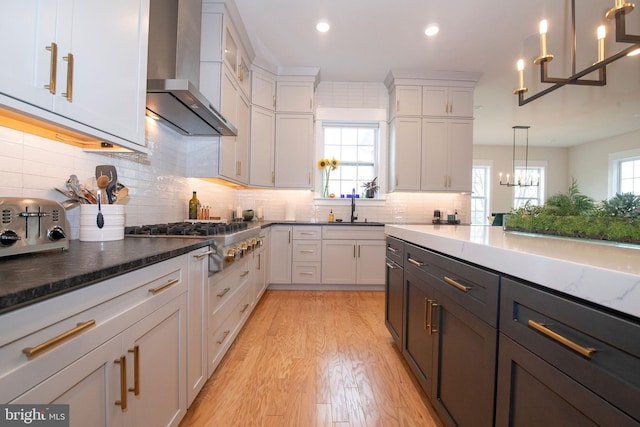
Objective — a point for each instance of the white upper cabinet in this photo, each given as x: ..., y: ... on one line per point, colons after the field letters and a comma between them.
x: 294, y: 145
x: 294, y: 96
x: 447, y: 101
x: 263, y: 122
x: 84, y: 61
x: 406, y: 101
x: 263, y: 89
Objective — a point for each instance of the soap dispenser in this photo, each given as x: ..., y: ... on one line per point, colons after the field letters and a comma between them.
x: 331, y: 216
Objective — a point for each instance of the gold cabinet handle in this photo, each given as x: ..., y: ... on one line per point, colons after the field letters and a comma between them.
x: 161, y: 288
x: 541, y: 327
x: 274, y: 101
x: 392, y: 250
x: 226, y: 333
x: 273, y: 177
x: 391, y: 266
x: 136, y: 370
x: 433, y: 305
x: 245, y: 273
x: 202, y: 255
x: 53, y: 67
x: 122, y: 403
x: 311, y: 103
x: 307, y: 233
x: 306, y: 273
x: 427, y: 314
x: 354, y: 251
x: 358, y: 251
x: 244, y: 308
x: 34, y: 351
x: 451, y: 107
x: 415, y: 262
x: 69, y: 93
x: 306, y: 251
x: 224, y: 291
x: 456, y: 284
x: 397, y: 105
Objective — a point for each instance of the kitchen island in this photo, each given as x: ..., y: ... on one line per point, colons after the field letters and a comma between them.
x: 510, y: 329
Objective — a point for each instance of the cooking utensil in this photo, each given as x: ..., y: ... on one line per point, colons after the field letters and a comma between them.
x: 124, y: 192
x: 73, y: 184
x: 89, y: 196
x: 112, y: 174
x: 103, y: 182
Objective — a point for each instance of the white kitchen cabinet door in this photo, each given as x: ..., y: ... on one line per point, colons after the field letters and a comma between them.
x: 263, y: 89
x: 280, y: 252
x: 447, y: 155
x: 370, y: 265
x: 293, y: 148
x: 294, y: 96
x: 89, y: 385
x: 406, y: 101
x: 197, y: 319
x: 447, y: 101
x: 242, y: 142
x: 234, y: 150
x: 406, y: 141
x: 339, y: 262
x: 159, y: 398
x: 263, y: 124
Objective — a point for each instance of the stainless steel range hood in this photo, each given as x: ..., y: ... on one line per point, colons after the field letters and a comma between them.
x: 174, y: 70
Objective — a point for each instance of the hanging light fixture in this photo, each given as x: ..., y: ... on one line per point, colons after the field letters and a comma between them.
x: 618, y: 13
x: 527, y: 179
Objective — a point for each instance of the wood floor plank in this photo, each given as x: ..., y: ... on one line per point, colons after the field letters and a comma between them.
x: 312, y: 358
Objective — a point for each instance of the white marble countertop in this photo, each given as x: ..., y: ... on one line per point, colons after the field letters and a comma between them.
x: 603, y: 273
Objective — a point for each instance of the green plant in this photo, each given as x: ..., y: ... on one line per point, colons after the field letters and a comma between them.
x: 622, y: 205
x: 572, y: 203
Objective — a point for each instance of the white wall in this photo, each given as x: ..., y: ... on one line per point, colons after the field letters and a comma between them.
x: 589, y: 163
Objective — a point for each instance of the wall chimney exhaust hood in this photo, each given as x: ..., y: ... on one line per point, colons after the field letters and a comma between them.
x: 173, y: 67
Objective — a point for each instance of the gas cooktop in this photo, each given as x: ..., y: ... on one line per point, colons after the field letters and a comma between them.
x: 186, y: 229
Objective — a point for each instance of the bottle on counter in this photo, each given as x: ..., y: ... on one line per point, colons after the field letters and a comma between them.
x: 331, y: 216
x: 194, y: 203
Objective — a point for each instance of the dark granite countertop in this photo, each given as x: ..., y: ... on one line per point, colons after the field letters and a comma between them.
x: 264, y: 224
x: 33, y: 277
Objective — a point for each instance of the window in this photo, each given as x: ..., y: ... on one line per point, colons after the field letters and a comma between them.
x: 355, y: 146
x: 480, y: 205
x: 534, y: 195
x: 629, y: 176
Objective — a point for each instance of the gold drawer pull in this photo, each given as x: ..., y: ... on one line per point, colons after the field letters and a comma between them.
x: 53, y: 67
x: 226, y: 333
x: 306, y: 273
x: 224, y: 291
x: 583, y: 351
x: 392, y: 249
x: 415, y: 262
x: 69, y: 93
x: 122, y: 403
x: 244, y: 308
x: 306, y: 251
x: 455, y: 284
x: 391, y: 266
x: 34, y: 351
x: 244, y: 274
x: 161, y: 288
x: 136, y: 370
x: 202, y: 255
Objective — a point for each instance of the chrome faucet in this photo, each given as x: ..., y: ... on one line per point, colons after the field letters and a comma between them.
x: 353, y: 205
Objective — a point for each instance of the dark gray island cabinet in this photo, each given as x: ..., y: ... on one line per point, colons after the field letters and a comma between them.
x: 492, y: 350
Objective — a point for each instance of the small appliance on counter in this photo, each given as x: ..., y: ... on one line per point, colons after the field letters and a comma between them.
x: 31, y: 225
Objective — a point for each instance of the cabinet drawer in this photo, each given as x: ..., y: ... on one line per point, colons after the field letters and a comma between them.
x: 595, y: 348
x: 353, y: 232
x: 306, y: 272
x: 50, y: 336
x: 473, y: 288
x: 307, y: 232
x: 395, y: 250
x: 223, y: 285
x: 307, y: 250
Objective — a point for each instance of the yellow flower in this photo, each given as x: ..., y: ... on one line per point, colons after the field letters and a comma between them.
x: 323, y: 163
x: 334, y: 163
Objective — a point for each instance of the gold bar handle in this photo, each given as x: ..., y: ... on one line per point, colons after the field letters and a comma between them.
x: 34, y: 351
x: 397, y: 105
x: 306, y: 251
x: 392, y: 250
x: 311, y: 103
x: 431, y: 325
x: 122, y: 403
x: 274, y: 101
x: 415, y: 262
x: 244, y: 308
x: 541, y: 327
x: 224, y: 291
x: 53, y: 67
x: 226, y: 334
x: 136, y: 370
x: 202, y: 255
x: 273, y: 177
x: 456, y: 284
x: 391, y: 266
x: 69, y: 93
x: 306, y: 273
x: 427, y: 315
x: 245, y: 273
x: 161, y: 288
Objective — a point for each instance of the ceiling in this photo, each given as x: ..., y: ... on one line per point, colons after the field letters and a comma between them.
x: 368, y: 38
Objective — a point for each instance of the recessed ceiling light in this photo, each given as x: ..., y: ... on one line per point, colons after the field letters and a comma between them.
x: 323, y: 26
x: 432, y: 30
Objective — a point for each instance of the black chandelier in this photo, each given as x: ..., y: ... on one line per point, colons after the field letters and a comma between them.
x: 526, y: 179
x: 618, y: 12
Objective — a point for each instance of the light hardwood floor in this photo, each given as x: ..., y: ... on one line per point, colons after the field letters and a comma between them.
x: 307, y: 358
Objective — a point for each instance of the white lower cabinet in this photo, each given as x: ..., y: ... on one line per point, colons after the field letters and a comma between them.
x: 280, y: 254
x: 114, y: 351
x: 353, y: 262
x: 260, y: 268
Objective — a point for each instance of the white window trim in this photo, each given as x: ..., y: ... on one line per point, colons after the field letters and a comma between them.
x: 352, y: 115
x: 487, y: 164
x: 614, y: 163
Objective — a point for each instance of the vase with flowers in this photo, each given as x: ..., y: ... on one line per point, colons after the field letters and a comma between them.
x: 327, y: 166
